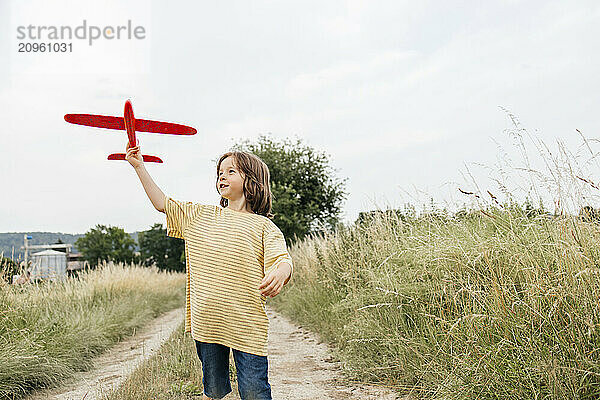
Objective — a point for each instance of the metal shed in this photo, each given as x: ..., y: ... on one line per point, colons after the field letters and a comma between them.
x: 49, y: 264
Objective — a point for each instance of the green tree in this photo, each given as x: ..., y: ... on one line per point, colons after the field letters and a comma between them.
x: 58, y: 241
x: 306, y: 195
x: 166, y: 252
x: 108, y: 243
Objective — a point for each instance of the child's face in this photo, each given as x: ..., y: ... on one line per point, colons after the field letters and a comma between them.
x: 231, y: 176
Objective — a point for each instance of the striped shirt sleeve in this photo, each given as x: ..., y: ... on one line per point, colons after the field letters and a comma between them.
x: 179, y: 216
x: 275, y: 250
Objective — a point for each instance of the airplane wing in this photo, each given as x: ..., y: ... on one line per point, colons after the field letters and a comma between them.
x: 141, y: 125
x: 145, y: 157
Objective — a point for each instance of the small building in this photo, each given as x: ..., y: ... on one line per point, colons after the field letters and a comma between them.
x: 49, y: 264
x: 55, y: 262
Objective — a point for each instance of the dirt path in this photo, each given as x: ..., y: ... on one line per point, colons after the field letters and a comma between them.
x: 113, y: 366
x: 300, y: 365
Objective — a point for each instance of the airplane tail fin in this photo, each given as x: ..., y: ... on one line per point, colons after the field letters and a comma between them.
x: 145, y: 157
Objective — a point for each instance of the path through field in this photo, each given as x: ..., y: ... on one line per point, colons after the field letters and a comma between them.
x: 113, y: 366
x: 300, y: 365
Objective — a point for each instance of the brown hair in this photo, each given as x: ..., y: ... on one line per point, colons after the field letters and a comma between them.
x: 257, y: 190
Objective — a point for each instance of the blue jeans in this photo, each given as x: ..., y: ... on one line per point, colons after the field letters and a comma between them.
x: 252, y: 370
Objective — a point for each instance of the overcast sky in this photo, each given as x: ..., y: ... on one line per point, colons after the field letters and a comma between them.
x: 404, y: 96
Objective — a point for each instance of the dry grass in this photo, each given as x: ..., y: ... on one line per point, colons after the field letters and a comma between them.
x: 499, y: 306
x: 50, y: 330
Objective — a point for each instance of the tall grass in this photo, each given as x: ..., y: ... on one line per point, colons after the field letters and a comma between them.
x: 50, y: 330
x: 499, y: 305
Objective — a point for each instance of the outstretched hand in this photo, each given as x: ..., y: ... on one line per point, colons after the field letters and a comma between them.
x: 134, y: 155
x: 273, y: 282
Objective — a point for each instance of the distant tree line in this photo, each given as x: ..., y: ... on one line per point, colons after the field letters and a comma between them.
x: 112, y: 243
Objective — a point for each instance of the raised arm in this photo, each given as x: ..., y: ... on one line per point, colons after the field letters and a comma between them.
x: 156, y: 196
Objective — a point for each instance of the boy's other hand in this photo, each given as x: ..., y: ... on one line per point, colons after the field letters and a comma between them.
x: 272, y: 283
x: 134, y: 156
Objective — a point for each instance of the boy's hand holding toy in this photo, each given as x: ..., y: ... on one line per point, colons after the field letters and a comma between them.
x: 134, y: 156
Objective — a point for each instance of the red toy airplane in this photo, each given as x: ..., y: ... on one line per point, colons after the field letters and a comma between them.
x: 130, y: 124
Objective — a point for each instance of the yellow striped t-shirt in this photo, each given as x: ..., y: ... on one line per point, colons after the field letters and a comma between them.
x: 227, y: 255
